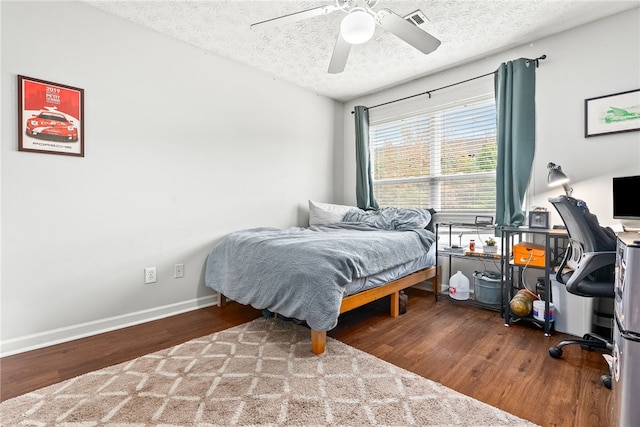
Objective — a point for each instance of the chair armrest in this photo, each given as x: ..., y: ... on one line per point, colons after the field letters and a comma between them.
x: 590, y: 262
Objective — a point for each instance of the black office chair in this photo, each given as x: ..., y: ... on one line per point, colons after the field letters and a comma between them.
x: 591, y: 257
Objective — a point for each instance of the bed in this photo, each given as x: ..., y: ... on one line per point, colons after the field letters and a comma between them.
x: 340, y: 262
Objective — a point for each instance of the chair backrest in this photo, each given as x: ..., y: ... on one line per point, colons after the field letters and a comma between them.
x: 580, y: 237
x: 586, y: 237
x: 573, y: 216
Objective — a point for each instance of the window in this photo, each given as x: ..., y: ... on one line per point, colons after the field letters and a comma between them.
x: 443, y: 159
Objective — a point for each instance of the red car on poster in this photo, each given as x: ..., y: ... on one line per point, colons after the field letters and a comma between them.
x: 52, y: 124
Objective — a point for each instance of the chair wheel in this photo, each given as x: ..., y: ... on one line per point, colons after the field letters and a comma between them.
x: 606, y: 381
x: 555, y: 352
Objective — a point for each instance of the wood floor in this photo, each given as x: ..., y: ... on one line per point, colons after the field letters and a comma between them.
x: 462, y: 347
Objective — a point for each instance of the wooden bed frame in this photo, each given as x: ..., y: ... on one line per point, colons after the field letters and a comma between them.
x: 319, y: 338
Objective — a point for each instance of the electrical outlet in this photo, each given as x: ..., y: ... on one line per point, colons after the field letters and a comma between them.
x: 150, y: 275
x: 178, y: 271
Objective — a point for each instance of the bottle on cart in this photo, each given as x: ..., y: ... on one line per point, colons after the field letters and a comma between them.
x: 522, y: 302
x: 459, y: 286
x: 472, y: 245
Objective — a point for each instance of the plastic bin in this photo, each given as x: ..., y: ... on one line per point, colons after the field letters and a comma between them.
x: 487, y: 287
x: 573, y: 313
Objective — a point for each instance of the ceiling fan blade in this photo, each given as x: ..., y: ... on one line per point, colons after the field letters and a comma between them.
x: 340, y: 55
x: 295, y: 17
x: 406, y: 31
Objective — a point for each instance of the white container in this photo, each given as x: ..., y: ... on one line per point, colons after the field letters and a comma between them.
x: 573, y: 313
x: 459, y: 286
x: 538, y: 310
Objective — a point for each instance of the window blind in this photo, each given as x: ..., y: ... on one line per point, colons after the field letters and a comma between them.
x: 443, y: 159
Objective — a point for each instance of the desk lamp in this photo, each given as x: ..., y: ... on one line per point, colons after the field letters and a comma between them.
x: 556, y: 178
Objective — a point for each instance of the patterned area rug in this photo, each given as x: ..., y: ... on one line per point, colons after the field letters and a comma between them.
x: 261, y: 373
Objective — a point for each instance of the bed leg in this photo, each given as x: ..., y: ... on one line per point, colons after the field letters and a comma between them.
x: 222, y: 300
x: 318, y: 341
x: 395, y: 304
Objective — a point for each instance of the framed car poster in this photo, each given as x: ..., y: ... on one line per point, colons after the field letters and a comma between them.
x: 50, y: 117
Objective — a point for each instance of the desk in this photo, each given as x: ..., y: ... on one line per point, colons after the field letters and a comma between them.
x: 552, y: 247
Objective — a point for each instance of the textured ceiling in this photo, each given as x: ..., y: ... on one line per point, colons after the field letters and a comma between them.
x: 300, y: 52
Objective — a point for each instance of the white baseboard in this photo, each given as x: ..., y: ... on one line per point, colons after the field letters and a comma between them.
x: 70, y: 333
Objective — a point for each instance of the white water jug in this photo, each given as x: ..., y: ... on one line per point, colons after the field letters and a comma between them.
x: 459, y: 286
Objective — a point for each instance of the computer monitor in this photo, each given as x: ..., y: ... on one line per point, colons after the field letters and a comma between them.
x: 626, y: 200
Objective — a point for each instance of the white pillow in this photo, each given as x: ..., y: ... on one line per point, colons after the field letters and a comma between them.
x: 326, y: 213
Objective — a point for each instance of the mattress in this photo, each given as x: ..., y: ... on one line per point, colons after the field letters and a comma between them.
x: 384, y: 277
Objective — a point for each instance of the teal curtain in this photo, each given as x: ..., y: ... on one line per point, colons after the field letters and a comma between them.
x: 515, y: 89
x: 364, y: 185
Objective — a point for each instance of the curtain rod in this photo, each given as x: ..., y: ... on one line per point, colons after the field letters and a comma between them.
x: 429, y: 92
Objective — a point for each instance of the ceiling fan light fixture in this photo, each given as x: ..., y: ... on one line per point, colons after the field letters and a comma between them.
x: 357, y: 27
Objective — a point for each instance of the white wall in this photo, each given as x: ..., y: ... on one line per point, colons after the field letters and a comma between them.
x: 182, y: 147
x: 597, y: 59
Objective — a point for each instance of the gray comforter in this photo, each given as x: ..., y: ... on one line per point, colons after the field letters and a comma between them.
x: 302, y: 272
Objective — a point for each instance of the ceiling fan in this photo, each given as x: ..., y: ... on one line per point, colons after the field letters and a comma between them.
x: 358, y: 27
